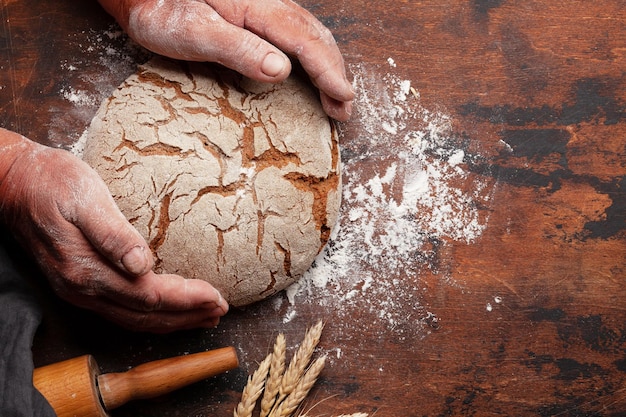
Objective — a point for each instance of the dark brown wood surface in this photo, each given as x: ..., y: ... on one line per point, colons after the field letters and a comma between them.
x: 512, y: 302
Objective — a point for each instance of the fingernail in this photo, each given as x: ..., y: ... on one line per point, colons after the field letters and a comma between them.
x: 219, y: 304
x: 348, y: 109
x: 218, y: 312
x: 135, y: 261
x: 350, y: 87
x: 273, y: 64
x: 222, y: 302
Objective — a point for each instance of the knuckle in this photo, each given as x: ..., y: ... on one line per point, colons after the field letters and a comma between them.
x: 71, y: 282
x: 151, y: 301
x: 110, y: 239
x: 115, y: 239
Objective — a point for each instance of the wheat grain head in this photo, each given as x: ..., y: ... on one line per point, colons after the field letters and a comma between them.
x: 277, y: 369
x: 253, y: 389
x: 301, y: 390
x: 300, y: 360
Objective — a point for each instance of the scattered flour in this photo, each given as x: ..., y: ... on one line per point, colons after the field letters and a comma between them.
x: 406, y: 195
x: 79, y: 97
x: 106, y: 58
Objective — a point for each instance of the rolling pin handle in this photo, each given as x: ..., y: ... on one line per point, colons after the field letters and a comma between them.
x: 76, y: 388
x: 160, y: 377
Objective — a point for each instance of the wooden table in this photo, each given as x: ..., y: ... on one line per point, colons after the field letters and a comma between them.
x: 479, y: 265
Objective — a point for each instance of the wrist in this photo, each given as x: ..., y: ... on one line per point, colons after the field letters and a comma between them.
x: 120, y: 10
x: 12, y: 146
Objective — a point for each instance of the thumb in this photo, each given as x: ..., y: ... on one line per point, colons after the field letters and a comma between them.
x: 119, y: 242
x: 108, y: 231
x: 169, y: 30
x: 253, y: 56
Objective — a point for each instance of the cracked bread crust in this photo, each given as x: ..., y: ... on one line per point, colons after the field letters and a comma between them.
x: 229, y: 180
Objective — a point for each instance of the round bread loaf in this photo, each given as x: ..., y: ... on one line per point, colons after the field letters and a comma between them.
x: 229, y: 180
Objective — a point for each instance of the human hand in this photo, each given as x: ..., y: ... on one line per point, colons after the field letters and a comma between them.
x: 249, y: 36
x: 61, y: 211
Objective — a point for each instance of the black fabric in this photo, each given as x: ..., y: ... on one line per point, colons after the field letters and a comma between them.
x: 19, y: 317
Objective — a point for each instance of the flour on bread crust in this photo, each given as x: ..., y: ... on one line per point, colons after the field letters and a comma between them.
x: 229, y: 180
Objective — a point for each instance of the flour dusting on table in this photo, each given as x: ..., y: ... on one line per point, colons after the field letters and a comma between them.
x: 406, y: 193
x: 106, y: 59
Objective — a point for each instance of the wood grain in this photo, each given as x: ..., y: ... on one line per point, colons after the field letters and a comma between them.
x: 160, y: 377
x: 527, y: 319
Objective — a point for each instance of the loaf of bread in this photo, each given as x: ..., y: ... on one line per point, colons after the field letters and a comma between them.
x: 229, y: 180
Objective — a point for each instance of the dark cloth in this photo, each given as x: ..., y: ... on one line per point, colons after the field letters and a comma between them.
x: 19, y: 317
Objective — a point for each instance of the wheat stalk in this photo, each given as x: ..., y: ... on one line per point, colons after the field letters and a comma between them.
x: 344, y: 415
x: 301, y: 390
x: 253, y: 389
x: 284, y: 390
x: 277, y: 368
x: 300, y: 361
x: 353, y: 415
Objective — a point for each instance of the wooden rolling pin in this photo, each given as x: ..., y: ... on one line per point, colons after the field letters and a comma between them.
x: 76, y: 388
